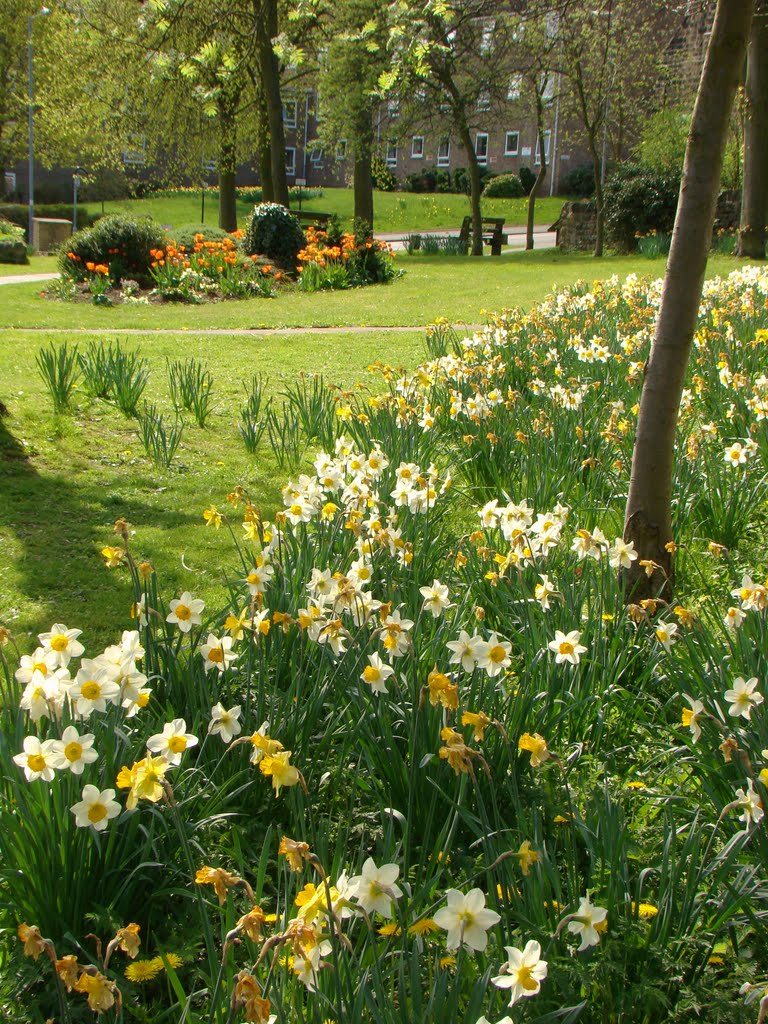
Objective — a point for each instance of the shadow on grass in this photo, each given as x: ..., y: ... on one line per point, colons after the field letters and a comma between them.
x: 54, y: 531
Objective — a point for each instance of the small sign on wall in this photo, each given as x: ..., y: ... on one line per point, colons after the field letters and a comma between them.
x: 525, y: 151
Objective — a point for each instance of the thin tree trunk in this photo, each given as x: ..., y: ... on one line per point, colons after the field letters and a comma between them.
x: 264, y: 151
x: 363, y: 173
x: 270, y: 82
x: 597, y: 168
x: 537, y: 185
x: 475, y: 189
x: 754, y: 199
x: 227, y: 162
x: 648, y: 517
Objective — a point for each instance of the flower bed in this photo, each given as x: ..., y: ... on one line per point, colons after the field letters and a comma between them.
x: 424, y: 762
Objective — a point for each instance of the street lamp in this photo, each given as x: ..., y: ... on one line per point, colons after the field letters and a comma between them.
x: 30, y: 98
x: 76, y: 183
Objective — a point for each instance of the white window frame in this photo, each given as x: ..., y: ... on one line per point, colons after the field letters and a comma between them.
x: 547, y: 86
x: 481, y: 159
x: 487, y: 28
x: 316, y: 155
x: 484, y: 101
x: 341, y: 150
x: 391, y: 155
x: 417, y: 147
x: 290, y: 161
x: 508, y: 150
x: 514, y: 88
x: 393, y: 109
x: 288, y: 121
x: 444, y: 159
x: 547, y: 148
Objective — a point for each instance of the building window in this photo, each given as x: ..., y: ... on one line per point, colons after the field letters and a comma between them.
x: 547, y: 139
x: 512, y: 144
x: 484, y: 101
x: 514, y: 87
x: 392, y: 154
x: 289, y: 113
x: 393, y: 109
x: 417, y: 147
x: 486, y: 35
x: 444, y: 153
x: 341, y: 149
x: 316, y: 156
x: 547, y: 86
x: 290, y: 160
x: 481, y: 147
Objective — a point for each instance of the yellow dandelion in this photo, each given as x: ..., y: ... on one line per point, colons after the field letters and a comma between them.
x: 423, y: 927
x: 171, y: 959
x: 389, y: 929
x: 645, y: 911
x: 142, y: 971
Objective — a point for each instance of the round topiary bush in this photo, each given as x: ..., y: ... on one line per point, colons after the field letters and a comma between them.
x: 274, y: 232
x: 121, y: 243
x: 504, y: 186
x: 185, y: 234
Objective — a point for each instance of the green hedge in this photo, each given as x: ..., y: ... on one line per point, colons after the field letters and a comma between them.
x: 19, y: 213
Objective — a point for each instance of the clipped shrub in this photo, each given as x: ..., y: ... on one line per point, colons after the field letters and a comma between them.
x: 185, y: 234
x: 580, y: 181
x: 638, y: 201
x: 461, y: 180
x: 527, y: 179
x: 122, y: 244
x: 504, y: 186
x: 274, y: 232
x: 422, y: 181
x: 443, y: 181
x: 12, y: 250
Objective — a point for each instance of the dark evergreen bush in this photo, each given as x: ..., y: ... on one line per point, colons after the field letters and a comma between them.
x: 639, y: 200
x: 505, y: 186
x: 274, y: 232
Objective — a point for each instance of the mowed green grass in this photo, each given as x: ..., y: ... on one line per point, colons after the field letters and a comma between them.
x: 64, y: 479
x: 455, y: 287
x: 393, y: 211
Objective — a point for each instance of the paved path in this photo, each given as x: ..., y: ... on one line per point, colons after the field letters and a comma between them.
x: 27, y: 278
x: 232, y: 332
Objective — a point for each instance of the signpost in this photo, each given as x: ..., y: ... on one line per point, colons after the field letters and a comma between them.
x: 301, y: 182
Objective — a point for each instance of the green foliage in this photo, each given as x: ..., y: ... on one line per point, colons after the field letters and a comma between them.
x: 121, y: 243
x: 504, y: 186
x: 435, y: 245
x: 370, y: 262
x: 424, y: 180
x: 639, y: 200
x: 383, y: 178
x: 191, y: 384
x: 13, y: 251
x: 272, y: 231
x: 254, y: 414
x: 58, y: 365
x: 580, y: 181
x: 160, y: 437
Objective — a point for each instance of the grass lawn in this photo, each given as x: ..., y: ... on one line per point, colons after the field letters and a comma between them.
x: 36, y: 265
x: 455, y: 287
x: 393, y: 211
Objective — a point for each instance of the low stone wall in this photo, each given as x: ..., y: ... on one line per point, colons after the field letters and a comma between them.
x: 577, y: 226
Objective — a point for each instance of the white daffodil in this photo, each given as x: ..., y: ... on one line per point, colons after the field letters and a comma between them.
x: 97, y: 808
x: 523, y: 972
x: 466, y: 919
x: 743, y: 697
x: 567, y: 647
x: 172, y: 741
x: 377, y: 673
x: 436, y: 598
x: 751, y: 805
x: 74, y: 751
x: 185, y: 612
x: 37, y: 759
x: 584, y: 923
x: 62, y: 642
x: 218, y: 653
x: 375, y: 888
x: 225, y: 723
x: 467, y: 650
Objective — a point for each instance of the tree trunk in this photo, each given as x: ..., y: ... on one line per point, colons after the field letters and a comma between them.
x: 537, y: 185
x: 264, y: 151
x: 363, y: 173
x: 475, y: 189
x: 270, y: 82
x: 648, y: 517
x: 754, y: 197
x: 227, y: 108
x: 597, y: 168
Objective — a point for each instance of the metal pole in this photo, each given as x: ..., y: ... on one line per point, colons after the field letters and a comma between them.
x: 30, y: 160
x: 75, y: 183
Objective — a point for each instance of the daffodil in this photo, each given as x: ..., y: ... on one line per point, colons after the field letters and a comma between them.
x: 375, y: 888
x: 217, y: 653
x: 97, y: 808
x: 278, y: 767
x: 62, y: 642
x: 376, y: 674
x: 466, y: 919
x: 185, y: 612
x: 172, y: 741
x: 743, y: 697
x: 37, y: 759
x: 74, y: 751
x: 523, y: 972
x: 691, y: 715
x: 586, y: 921
x: 567, y: 647
x: 225, y: 723
x: 536, y: 746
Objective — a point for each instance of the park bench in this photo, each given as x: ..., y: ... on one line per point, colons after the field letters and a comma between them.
x: 493, y: 233
x: 308, y: 219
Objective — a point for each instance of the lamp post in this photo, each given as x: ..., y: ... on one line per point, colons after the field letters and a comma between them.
x: 76, y: 182
x: 30, y: 98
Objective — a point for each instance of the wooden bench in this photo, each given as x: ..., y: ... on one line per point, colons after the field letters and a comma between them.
x: 493, y: 233
x: 316, y: 220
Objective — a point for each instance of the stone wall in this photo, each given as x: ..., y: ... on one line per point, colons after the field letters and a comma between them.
x: 577, y: 226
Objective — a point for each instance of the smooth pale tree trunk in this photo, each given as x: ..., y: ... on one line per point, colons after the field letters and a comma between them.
x: 264, y: 152
x: 754, y: 197
x: 648, y: 518
x: 538, y: 184
x: 270, y: 82
x: 474, y: 190
x: 363, y: 173
x: 227, y: 110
